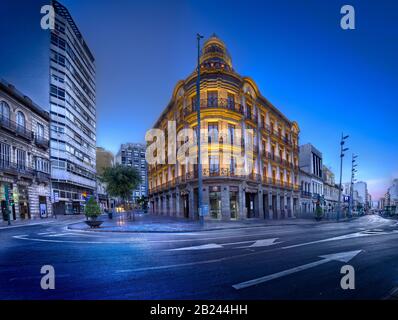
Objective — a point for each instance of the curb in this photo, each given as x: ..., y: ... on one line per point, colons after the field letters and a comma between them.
x: 70, y: 227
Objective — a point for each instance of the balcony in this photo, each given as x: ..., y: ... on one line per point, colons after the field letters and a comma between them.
x: 42, y: 176
x: 13, y: 168
x: 306, y: 194
x: 12, y: 126
x: 216, y: 103
x: 42, y: 142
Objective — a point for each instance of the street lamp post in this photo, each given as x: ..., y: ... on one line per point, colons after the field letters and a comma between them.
x: 353, y: 170
x: 201, y: 218
x: 342, y: 150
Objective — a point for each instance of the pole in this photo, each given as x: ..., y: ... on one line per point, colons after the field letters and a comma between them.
x: 198, y: 137
x: 342, y: 150
x: 352, y: 185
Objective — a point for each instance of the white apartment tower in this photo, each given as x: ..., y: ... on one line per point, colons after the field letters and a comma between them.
x: 73, y: 115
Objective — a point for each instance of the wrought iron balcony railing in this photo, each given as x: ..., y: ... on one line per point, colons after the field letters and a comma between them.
x: 216, y: 103
x: 16, y: 168
x: 42, y: 142
x: 12, y: 126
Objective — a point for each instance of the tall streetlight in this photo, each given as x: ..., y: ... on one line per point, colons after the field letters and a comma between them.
x: 201, y: 218
x: 353, y: 170
x: 342, y: 150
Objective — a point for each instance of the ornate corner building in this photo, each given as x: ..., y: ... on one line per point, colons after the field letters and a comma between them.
x: 228, y: 103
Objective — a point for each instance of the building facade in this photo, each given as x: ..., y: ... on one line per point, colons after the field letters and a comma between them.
x: 311, y: 179
x: 133, y: 155
x: 233, y: 113
x: 24, y: 157
x: 73, y: 115
x: 360, y: 195
x: 330, y: 191
x: 104, y: 159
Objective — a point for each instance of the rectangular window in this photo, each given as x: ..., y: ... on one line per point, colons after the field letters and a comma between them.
x: 213, y: 132
x: 212, y: 99
x: 5, y: 155
x: 231, y: 134
x: 21, y: 159
x: 231, y: 101
x: 213, y: 165
x: 40, y: 130
x: 194, y: 103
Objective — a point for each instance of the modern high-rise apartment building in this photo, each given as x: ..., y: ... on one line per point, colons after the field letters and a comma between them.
x: 133, y: 155
x: 73, y: 115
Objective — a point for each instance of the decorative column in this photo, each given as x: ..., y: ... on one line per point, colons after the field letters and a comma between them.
x: 270, y: 211
x: 225, y: 205
x: 278, y: 205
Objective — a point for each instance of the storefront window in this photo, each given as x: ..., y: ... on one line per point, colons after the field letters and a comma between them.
x: 234, y: 202
x: 215, y: 202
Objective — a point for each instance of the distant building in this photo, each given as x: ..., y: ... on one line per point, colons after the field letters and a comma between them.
x: 24, y: 156
x: 361, y: 197
x: 104, y: 159
x: 133, y: 155
x: 381, y: 203
x: 311, y: 178
x: 393, y: 191
x: 330, y: 190
x: 73, y: 115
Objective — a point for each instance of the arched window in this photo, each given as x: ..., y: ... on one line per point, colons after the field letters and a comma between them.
x: 4, y: 111
x: 20, y: 120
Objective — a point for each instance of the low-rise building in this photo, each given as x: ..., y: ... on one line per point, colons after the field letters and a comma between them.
x: 24, y: 156
x: 311, y: 178
x: 104, y: 159
x: 330, y: 191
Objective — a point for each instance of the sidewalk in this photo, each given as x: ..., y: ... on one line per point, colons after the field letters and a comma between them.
x: 38, y: 221
x: 152, y: 223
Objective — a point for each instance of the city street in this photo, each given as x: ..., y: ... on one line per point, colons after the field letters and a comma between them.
x: 295, y: 261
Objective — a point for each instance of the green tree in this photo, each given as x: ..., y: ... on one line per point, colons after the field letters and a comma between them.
x: 92, y: 209
x: 318, y: 212
x: 121, y: 181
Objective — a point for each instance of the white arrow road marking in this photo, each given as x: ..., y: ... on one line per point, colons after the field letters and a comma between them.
x: 346, y: 236
x: 263, y: 243
x: 257, y: 243
x: 204, y: 246
x: 341, y: 256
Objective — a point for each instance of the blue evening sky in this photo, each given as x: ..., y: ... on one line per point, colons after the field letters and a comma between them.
x: 327, y: 79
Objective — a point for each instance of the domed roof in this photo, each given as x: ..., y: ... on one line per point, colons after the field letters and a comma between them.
x: 215, y: 54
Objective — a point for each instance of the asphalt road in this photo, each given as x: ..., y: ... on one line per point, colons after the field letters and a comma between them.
x: 271, y: 262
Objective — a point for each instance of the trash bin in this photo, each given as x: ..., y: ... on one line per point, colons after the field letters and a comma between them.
x: 110, y: 214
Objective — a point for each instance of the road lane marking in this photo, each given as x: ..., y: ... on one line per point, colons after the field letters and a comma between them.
x: 26, y: 225
x: 263, y: 243
x: 341, y: 257
x: 255, y: 243
x: 344, y: 237
x: 201, y: 247
x: 75, y: 241
x: 171, y: 266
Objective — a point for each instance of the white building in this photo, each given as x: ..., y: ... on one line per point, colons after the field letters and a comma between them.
x: 330, y: 191
x: 73, y: 115
x: 311, y: 178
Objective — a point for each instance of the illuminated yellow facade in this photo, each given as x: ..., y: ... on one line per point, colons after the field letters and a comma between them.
x: 228, y: 103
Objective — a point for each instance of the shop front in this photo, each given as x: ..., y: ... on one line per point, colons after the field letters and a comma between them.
x: 7, y: 203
